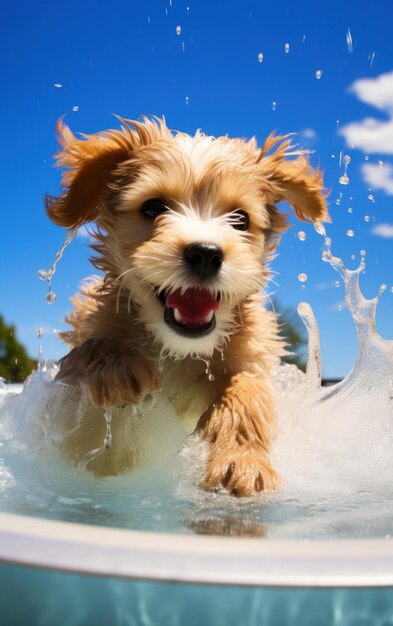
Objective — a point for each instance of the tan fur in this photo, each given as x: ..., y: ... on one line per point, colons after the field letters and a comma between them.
x: 118, y: 335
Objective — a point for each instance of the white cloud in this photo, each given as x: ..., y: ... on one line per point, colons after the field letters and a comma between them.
x: 379, y: 177
x: 370, y: 134
x: 375, y: 91
x: 383, y: 230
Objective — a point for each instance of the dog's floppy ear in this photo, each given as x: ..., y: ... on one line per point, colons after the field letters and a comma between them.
x: 89, y: 162
x: 293, y: 180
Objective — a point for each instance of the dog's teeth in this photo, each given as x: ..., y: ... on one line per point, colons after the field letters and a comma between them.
x: 177, y: 315
x: 209, y: 317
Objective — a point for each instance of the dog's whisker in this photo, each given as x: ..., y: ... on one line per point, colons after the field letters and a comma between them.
x: 118, y: 298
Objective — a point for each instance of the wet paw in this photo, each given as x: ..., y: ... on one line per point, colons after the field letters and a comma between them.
x: 243, y: 471
x: 112, y: 374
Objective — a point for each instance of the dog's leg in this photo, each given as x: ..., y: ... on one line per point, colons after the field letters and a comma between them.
x: 113, y: 373
x: 239, y: 428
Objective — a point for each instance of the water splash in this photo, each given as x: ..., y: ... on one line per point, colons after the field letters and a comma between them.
x: 47, y: 275
x: 40, y: 361
x: 344, y: 432
x: 208, y: 371
x: 107, y: 443
x: 349, y: 41
x: 344, y: 179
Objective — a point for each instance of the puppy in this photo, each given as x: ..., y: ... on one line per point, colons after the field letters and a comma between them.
x: 186, y: 226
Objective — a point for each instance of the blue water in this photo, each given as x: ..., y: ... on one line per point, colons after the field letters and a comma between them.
x: 43, y: 598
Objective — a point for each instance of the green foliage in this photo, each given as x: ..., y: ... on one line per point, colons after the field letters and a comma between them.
x: 15, y: 364
x: 293, y: 331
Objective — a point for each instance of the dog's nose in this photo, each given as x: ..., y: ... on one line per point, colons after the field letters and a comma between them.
x: 204, y: 259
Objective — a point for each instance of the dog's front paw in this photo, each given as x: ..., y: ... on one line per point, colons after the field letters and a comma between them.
x: 112, y: 374
x: 242, y: 470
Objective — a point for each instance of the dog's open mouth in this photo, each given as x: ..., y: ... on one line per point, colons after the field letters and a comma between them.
x: 190, y: 313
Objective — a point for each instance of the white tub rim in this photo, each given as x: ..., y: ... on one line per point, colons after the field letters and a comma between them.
x: 103, y: 551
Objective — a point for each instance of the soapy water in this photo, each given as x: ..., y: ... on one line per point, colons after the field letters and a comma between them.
x: 333, y: 450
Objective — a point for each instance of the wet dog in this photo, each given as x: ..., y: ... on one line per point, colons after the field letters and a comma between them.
x: 186, y: 227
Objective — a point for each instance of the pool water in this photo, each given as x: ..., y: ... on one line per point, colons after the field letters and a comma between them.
x: 69, y: 599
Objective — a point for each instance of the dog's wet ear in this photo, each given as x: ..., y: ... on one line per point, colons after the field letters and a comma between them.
x: 88, y: 162
x: 293, y: 179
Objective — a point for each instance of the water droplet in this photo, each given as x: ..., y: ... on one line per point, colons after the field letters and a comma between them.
x: 302, y: 277
x: 58, y: 85
x: 260, y: 57
x: 51, y: 297
x: 371, y: 197
x: 318, y: 74
x: 75, y: 108
x: 302, y: 235
x: 46, y: 275
x: 382, y: 289
x: 43, y: 275
x: 380, y: 163
x: 366, y: 158
x: 353, y: 257
x: 363, y: 253
x: 338, y: 201
x: 349, y: 41
x: 286, y: 48
x: 211, y: 377
x: 333, y: 156
x: 337, y: 283
x: 340, y: 307
x: 346, y: 159
x: 367, y: 218
x: 178, y: 30
x: 40, y: 332
x: 274, y: 104
x: 350, y: 210
x: 337, y: 122
x: 371, y: 58
x: 303, y: 38
x: 108, y: 433
x: 319, y: 227
x: 391, y: 289
x: 343, y: 180
x: 187, y: 101
x: 350, y: 233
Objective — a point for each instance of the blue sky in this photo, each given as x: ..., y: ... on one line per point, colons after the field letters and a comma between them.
x: 89, y: 60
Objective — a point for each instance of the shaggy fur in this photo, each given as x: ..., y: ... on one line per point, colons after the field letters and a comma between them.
x: 120, y: 335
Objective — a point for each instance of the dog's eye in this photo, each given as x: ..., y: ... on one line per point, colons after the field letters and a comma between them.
x: 152, y: 208
x: 241, y: 220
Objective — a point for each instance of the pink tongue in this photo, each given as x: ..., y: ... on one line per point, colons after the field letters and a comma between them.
x: 193, y: 305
